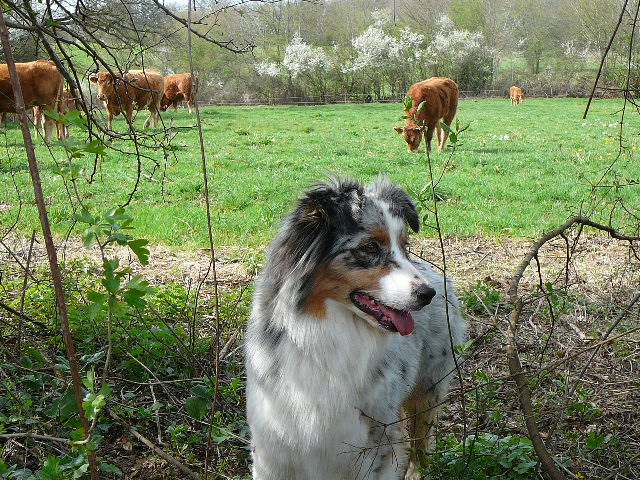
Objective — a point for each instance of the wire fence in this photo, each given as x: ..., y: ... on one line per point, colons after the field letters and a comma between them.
x: 344, y: 98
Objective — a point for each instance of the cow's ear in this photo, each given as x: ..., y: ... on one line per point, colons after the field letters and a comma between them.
x: 93, y: 78
x: 399, y: 129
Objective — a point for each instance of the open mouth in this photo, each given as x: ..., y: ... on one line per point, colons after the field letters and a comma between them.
x: 387, y: 317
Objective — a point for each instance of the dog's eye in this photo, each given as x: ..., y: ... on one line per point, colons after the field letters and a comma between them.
x: 370, y: 248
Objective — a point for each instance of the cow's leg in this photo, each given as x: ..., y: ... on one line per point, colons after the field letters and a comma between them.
x: 49, y: 124
x: 430, y: 130
x: 440, y: 136
x: 448, y: 119
x: 37, y: 118
x: 129, y: 114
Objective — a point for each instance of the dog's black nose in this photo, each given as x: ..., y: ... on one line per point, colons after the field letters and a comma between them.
x: 425, y: 294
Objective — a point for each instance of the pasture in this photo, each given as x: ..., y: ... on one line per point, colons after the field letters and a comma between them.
x: 517, y: 170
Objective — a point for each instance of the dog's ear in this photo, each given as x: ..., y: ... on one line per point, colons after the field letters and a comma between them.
x: 335, y: 204
x: 400, y: 203
x: 409, y: 211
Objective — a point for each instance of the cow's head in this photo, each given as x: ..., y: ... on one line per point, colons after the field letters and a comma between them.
x: 107, y: 83
x: 164, y: 103
x: 412, y: 135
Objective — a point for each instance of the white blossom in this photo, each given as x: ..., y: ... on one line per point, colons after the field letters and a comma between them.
x: 455, y: 45
x: 374, y: 48
x: 299, y: 57
x: 381, y: 17
x: 268, y: 69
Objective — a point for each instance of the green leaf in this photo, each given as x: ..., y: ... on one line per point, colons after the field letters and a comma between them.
x: 95, y: 146
x: 134, y: 299
x: 26, y: 361
x: 85, y: 217
x: 421, y: 106
x: 90, y: 235
x: 139, y: 248
x: 93, y: 403
x: 118, y: 237
x: 201, y: 391
x: 89, y: 380
x: 51, y: 469
x: 109, y: 468
x: 112, y: 284
x: 36, y: 355
x: 408, y: 102
x: 196, y: 407
x: 446, y: 127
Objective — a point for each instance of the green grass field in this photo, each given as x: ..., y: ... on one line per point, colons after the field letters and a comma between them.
x: 518, y: 170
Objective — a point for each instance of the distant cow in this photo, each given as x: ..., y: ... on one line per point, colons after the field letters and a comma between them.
x: 125, y: 90
x: 41, y: 87
x: 516, y: 95
x: 440, y: 97
x: 178, y: 87
x: 65, y: 105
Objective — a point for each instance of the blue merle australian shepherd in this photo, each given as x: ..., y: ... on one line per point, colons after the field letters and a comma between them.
x: 349, y: 343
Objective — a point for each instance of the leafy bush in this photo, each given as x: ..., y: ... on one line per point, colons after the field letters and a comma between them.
x: 485, y: 456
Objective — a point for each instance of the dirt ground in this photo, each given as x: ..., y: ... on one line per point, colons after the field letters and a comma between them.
x: 601, y: 278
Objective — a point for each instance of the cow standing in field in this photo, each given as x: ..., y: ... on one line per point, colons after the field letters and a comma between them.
x: 41, y: 88
x: 123, y: 91
x: 178, y: 87
x: 516, y: 95
x: 65, y: 105
x: 431, y: 100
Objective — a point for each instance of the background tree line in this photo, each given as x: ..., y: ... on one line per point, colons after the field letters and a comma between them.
x: 360, y: 49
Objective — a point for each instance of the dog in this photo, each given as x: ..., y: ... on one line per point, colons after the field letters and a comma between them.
x: 346, y: 331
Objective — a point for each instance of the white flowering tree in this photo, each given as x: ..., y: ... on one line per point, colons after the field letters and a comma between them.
x: 306, y: 64
x: 387, y: 61
x: 461, y: 55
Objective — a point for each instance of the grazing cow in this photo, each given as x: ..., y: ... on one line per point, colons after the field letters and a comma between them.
x: 41, y: 88
x: 516, y: 95
x: 440, y: 97
x: 124, y: 90
x: 178, y: 87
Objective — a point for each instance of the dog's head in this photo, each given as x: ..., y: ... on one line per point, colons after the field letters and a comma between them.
x: 347, y: 243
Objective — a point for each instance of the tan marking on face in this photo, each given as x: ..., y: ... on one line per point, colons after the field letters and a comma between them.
x: 336, y: 282
x: 381, y: 236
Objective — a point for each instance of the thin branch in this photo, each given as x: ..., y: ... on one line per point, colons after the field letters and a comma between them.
x: 158, y: 451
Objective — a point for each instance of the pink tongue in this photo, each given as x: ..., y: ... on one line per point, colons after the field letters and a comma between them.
x: 403, y: 321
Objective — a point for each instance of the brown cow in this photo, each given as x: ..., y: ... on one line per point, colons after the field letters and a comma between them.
x: 41, y: 87
x: 65, y: 105
x: 516, y: 95
x: 178, y: 87
x: 120, y: 93
x: 440, y: 97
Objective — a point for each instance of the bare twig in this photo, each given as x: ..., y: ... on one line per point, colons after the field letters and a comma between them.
x: 158, y: 451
